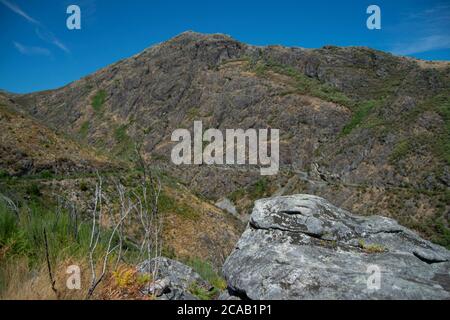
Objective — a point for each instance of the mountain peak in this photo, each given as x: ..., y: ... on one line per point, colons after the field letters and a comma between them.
x: 190, y: 35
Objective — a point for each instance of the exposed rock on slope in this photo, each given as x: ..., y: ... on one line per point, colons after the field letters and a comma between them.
x: 302, y: 247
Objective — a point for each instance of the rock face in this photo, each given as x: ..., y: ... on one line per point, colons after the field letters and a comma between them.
x: 303, y: 247
x: 174, y: 279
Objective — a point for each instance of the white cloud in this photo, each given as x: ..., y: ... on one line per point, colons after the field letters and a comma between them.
x: 429, y: 43
x: 424, y: 31
x: 49, y: 37
x: 31, y: 51
x: 13, y: 7
x: 41, y: 31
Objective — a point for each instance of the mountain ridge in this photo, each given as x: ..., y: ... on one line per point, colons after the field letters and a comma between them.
x: 422, y: 62
x: 365, y: 129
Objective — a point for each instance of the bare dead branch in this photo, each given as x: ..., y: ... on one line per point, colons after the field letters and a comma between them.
x: 49, y: 266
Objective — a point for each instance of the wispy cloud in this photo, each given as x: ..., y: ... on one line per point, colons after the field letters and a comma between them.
x: 430, y: 43
x: 424, y: 31
x: 425, y: 44
x: 15, y: 8
x: 32, y: 51
x: 41, y: 30
x: 48, y: 36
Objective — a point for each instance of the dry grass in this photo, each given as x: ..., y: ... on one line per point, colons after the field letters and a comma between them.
x: 25, y: 284
x: 210, y: 236
x: 431, y: 64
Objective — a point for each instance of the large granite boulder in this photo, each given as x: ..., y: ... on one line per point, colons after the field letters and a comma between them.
x: 303, y: 247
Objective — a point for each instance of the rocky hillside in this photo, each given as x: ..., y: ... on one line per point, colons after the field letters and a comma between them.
x: 28, y: 147
x: 302, y: 247
x: 365, y: 129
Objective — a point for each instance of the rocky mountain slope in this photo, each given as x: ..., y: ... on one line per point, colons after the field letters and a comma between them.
x: 28, y: 147
x: 365, y: 129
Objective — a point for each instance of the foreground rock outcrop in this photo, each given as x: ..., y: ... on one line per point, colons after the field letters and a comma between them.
x: 303, y: 247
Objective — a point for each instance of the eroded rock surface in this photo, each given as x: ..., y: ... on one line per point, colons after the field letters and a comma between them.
x: 303, y: 247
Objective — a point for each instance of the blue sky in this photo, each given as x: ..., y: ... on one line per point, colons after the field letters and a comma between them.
x: 38, y: 52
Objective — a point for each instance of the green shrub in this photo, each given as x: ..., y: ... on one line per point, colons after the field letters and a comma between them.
x: 167, y: 203
x: 236, y: 195
x: 169, y: 252
x: 84, y: 129
x: 3, y: 174
x: 159, y: 157
x: 124, y: 143
x: 120, y: 133
x: 434, y: 228
x: 8, y: 224
x: 260, y: 69
x: 33, y: 190
x: 84, y: 186
x: 442, y: 235
x: 98, y: 100
x: 372, y: 247
x: 147, y: 130
x: 259, y: 189
x: 329, y: 93
x: 46, y: 174
x: 193, y: 113
x: 359, y: 115
x: 200, y: 292
x: 207, y: 272
x: 400, y: 151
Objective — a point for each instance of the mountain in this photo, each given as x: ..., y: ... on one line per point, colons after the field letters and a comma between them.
x: 367, y: 130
